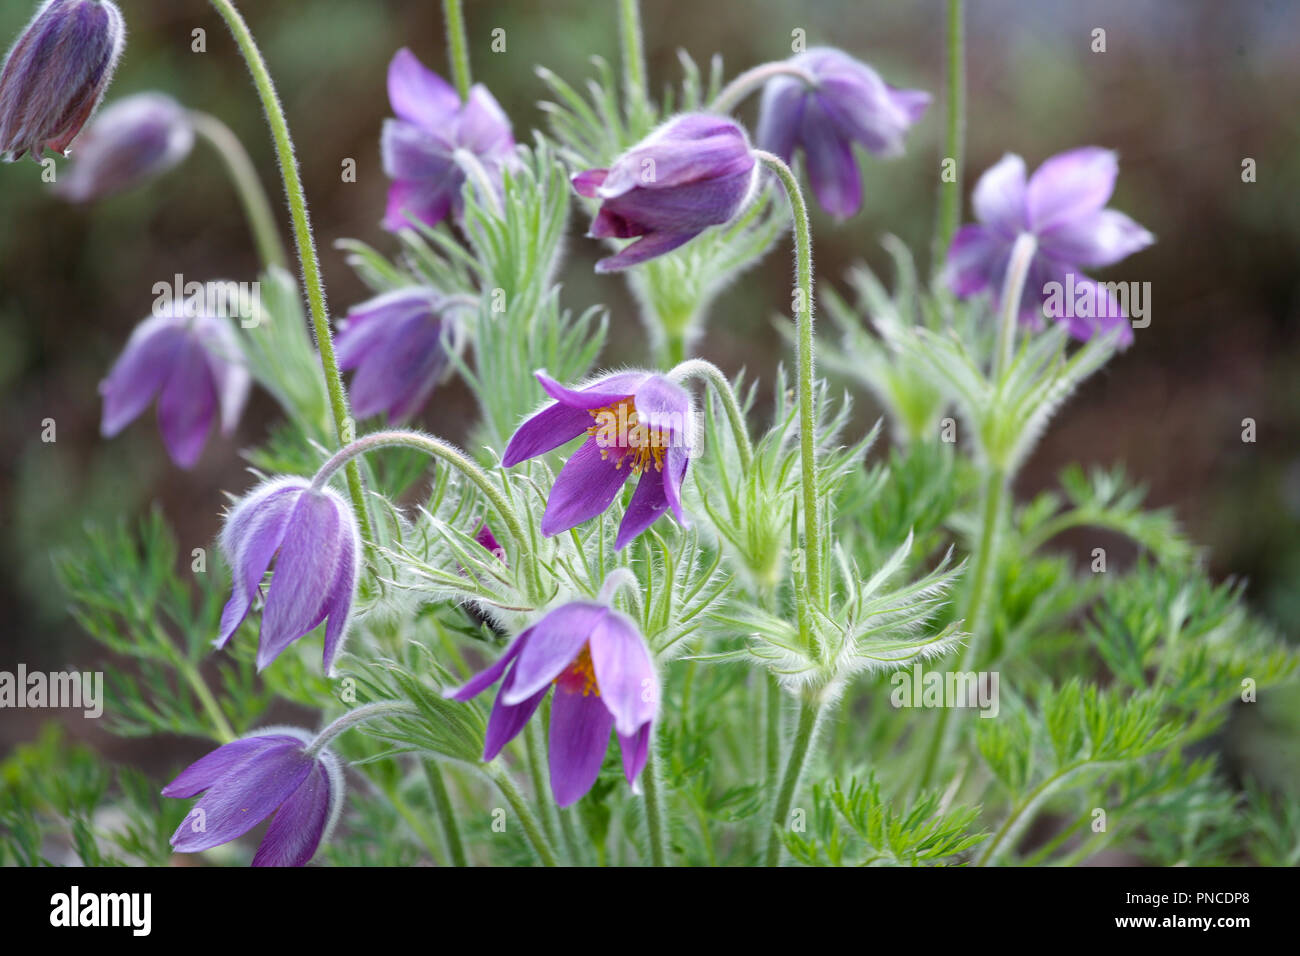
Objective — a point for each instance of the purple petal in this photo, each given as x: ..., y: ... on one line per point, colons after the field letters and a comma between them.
x: 338, y: 603
x: 414, y: 153
x: 483, y: 127
x: 187, y: 404
x: 664, y: 407
x: 207, y: 770
x: 1095, y: 312
x: 604, y: 391
x: 428, y: 202
x: 507, y: 719
x: 647, y: 247
x: 832, y: 167
x: 1095, y: 241
x: 587, y: 182
x: 647, y: 505
x: 624, y: 673
x: 976, y: 259
x: 781, y: 115
x: 689, y: 149
x: 579, y: 737
x: 1069, y: 186
x: 486, y: 678
x: 585, y: 487
x: 547, y: 430
x: 635, y: 749
x: 140, y: 371
x: 999, y: 197
x: 230, y: 375
x: 555, y: 643
x: 296, y: 831
x: 419, y: 95
x: 251, y: 537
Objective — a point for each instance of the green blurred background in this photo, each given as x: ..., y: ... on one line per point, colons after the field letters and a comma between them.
x: 1185, y: 91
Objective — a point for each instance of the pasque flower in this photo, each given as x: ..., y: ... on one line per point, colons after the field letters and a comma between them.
x: 603, y: 679
x: 420, y: 146
x: 849, y: 104
x: 637, y: 423
x: 248, y: 780
x: 312, y: 535
x: 1062, y: 206
x: 192, y: 362
x: 130, y: 142
x: 694, y: 172
x: 56, y: 73
x: 394, y: 344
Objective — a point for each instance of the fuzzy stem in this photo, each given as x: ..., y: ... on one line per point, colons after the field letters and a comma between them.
x: 735, y: 92
x: 807, y: 412
x: 707, y: 371
x: 457, y: 47
x: 532, y: 830
x: 773, y: 699
x: 446, y: 812
x: 1023, y: 815
x: 359, y: 715
x: 537, y: 771
x: 634, y: 71
x: 303, y: 237
x: 1022, y: 257
x: 954, y: 135
x: 243, y: 175
x: 651, y: 782
x: 809, y: 717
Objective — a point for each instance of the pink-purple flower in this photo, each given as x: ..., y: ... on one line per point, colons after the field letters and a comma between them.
x: 312, y: 535
x: 247, y: 780
x: 420, y: 146
x: 694, y: 172
x: 1063, y: 206
x: 191, y: 362
x: 56, y: 73
x: 604, y: 679
x: 849, y: 104
x: 637, y: 423
x: 394, y: 344
x: 130, y: 142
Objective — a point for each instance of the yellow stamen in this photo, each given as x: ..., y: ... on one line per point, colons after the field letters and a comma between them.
x: 618, y: 430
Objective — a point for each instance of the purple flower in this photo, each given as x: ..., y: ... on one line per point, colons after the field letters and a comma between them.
x: 488, y: 540
x: 248, y: 780
x: 638, y: 423
x: 419, y: 146
x: 850, y: 104
x: 132, y: 141
x: 694, y: 172
x: 56, y: 74
x: 394, y: 344
x: 315, y: 536
x: 603, y: 679
x: 1062, y: 206
x: 193, y: 364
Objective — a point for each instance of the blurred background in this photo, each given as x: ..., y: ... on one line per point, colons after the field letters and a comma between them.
x: 1185, y: 91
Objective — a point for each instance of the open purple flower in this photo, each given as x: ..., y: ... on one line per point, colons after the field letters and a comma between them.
x: 419, y: 146
x: 850, y: 104
x: 1062, y: 206
x: 603, y: 679
x: 193, y: 364
x: 694, y: 172
x: 130, y: 142
x: 248, y: 780
x: 56, y: 73
x: 314, y: 534
x: 637, y: 423
x: 394, y: 343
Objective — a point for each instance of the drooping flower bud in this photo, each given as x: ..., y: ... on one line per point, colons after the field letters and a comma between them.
x: 248, y: 780
x: 129, y: 143
x: 56, y: 75
x: 312, y: 536
x: 694, y: 172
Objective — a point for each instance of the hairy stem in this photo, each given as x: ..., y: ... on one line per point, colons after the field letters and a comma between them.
x: 634, y: 71
x: 359, y: 715
x: 651, y: 782
x: 809, y: 717
x: 735, y: 92
x: 532, y: 830
x: 954, y: 135
x: 457, y: 47
x: 707, y: 371
x: 446, y: 812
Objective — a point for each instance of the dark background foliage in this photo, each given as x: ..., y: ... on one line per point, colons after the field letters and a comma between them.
x: 1185, y: 91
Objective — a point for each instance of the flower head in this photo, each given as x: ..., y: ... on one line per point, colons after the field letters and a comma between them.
x: 248, y: 780
x: 394, y: 345
x: 420, y: 146
x: 850, y: 104
x: 603, y: 679
x: 56, y: 73
x: 1062, y: 206
x: 132, y: 141
x: 312, y: 535
x: 637, y: 423
x: 694, y: 172
x: 192, y: 362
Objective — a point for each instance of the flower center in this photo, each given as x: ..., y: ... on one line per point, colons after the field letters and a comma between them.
x: 621, y: 435
x: 580, y: 676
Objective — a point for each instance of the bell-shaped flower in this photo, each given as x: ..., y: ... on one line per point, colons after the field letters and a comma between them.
x: 312, y: 536
x: 130, y: 142
x: 637, y: 424
x: 247, y: 780
x: 604, y: 679
x: 394, y: 344
x: 191, y: 361
x: 849, y: 104
x: 1063, y: 206
x: 694, y: 172
x: 419, y: 147
x: 56, y: 74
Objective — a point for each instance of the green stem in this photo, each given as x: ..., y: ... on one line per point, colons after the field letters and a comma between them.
x: 954, y: 135
x: 457, y: 47
x: 532, y: 830
x: 541, y: 788
x: 1022, y: 257
x: 359, y: 715
x: 243, y: 175
x: 699, y: 368
x: 772, y: 730
x: 1023, y: 814
x: 634, y: 71
x: 446, y: 811
x: 807, y: 385
x: 651, y: 782
x: 306, y: 244
x: 225, y: 733
x: 809, y: 717
x: 753, y: 79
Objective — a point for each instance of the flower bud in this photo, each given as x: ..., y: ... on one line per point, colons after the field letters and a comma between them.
x: 132, y: 141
